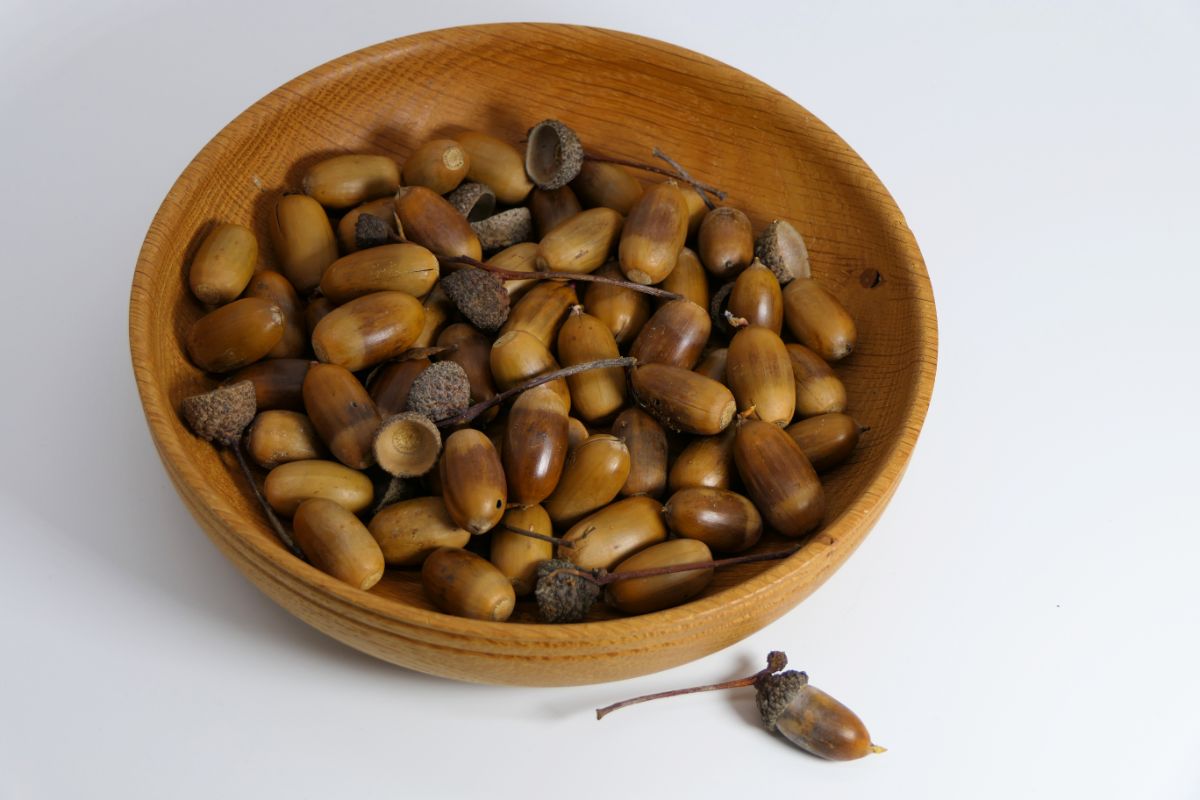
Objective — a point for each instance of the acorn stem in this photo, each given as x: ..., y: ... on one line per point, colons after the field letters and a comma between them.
x: 683, y: 173
x: 280, y: 531
x: 555, y: 540
x: 702, y: 188
x: 776, y: 660
x: 603, y: 577
x: 551, y: 275
x: 565, y: 372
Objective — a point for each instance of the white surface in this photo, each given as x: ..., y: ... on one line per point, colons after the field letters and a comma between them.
x: 1021, y: 623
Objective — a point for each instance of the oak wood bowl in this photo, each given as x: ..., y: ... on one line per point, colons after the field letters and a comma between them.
x: 624, y: 94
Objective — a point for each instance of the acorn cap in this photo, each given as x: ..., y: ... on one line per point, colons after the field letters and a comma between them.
x: 781, y: 248
x: 504, y: 229
x: 479, y: 295
x: 475, y: 201
x: 553, y: 154
x: 407, y: 445
x: 774, y: 693
x: 439, y: 391
x: 221, y: 415
x: 371, y: 231
x: 561, y: 596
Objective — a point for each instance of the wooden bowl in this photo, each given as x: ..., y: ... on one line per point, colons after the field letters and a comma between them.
x: 624, y: 95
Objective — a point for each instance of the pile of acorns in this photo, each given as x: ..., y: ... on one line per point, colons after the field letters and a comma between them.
x: 452, y: 398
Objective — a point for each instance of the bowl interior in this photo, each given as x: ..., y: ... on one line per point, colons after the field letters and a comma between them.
x: 624, y: 95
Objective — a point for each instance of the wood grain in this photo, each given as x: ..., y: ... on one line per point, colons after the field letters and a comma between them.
x: 624, y: 95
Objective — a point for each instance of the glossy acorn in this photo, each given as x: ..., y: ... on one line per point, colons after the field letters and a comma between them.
x: 368, y: 330
x: 713, y: 364
x: 778, y: 478
x: 827, y: 439
x: 520, y: 257
x: 224, y: 264
x: 818, y: 389
x: 337, y: 543
x: 439, y: 310
x: 516, y: 555
x: 289, y: 484
x: 596, y: 394
x: 622, y: 310
x: 535, y: 446
x: 541, y: 310
x: 725, y: 521
x: 811, y: 719
x: 303, y: 240
x: 688, y: 279
x: 274, y: 288
x: 759, y: 373
x: 472, y: 351
x: 647, y: 444
x: 675, y: 335
x: 518, y: 356
x: 235, y: 334
x: 472, y: 478
x: 608, y: 185
x: 278, y: 382
x: 818, y: 320
x: 496, y: 163
x: 429, y: 220
x: 593, y: 475
x: 682, y: 400
x: 409, y: 531
x: 342, y: 413
x: 706, y: 462
x: 348, y: 180
x: 549, y: 207
x: 390, y: 384
x: 439, y: 165
x: 608, y: 536
x: 581, y: 243
x: 277, y: 437
x: 757, y: 298
x: 461, y: 583
x: 654, y: 233
x: 656, y: 592
x: 401, y: 267
x: 725, y: 242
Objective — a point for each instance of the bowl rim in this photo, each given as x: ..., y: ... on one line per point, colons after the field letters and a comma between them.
x: 274, y: 561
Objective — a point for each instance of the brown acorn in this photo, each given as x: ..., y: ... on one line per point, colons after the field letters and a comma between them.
x: 438, y: 311
x: 757, y: 298
x: 607, y: 185
x: 781, y: 248
x: 594, y: 473
x: 759, y: 373
x: 439, y: 165
x: 623, y: 311
x: 827, y: 440
x: 654, y: 234
x: 580, y: 243
x: 382, y: 208
x: 497, y: 164
x: 713, y: 364
x: 552, y: 206
x: 518, y: 356
x: 688, y: 279
x: 818, y: 320
x: 224, y: 264
x: 606, y: 537
x: 553, y: 154
x: 342, y: 413
x: 303, y: 239
x: 724, y: 520
x: 337, y: 543
x: 520, y: 257
x: 597, y: 393
x: 577, y: 434
x: 647, y: 445
x: 535, y: 446
x: 274, y: 288
x: 682, y: 400
x: 697, y: 210
x: 401, y: 267
x: 706, y: 462
x: 409, y: 531
x: 368, y: 330
x: 348, y: 180
x: 390, y: 384
x: 235, y: 334
x: 726, y: 242
x: 277, y: 437
x: 429, y: 220
x: 289, y: 484
x: 278, y: 382
x: 676, y: 335
x: 818, y: 389
x: 656, y: 592
x: 541, y: 310
x: 472, y: 351
x: 516, y: 555
x: 473, y: 484
x: 315, y: 310
x: 778, y: 478
x: 461, y: 583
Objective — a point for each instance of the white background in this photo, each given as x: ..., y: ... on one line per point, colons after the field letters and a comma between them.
x: 1022, y: 622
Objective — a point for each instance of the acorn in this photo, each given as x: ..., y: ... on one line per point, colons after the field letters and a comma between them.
x: 441, y: 391
x: 781, y: 248
x: 778, y: 478
x: 475, y: 201
x: 429, y: 220
x: 368, y: 330
x: 289, y: 484
x: 712, y: 365
x: 759, y: 373
x: 593, y: 475
x: 315, y: 310
x: 608, y: 185
x: 221, y: 415
x: 224, y: 264
x: 553, y: 154
x: 725, y: 242
x: 518, y: 356
x: 517, y: 555
x: 504, y: 229
x: 235, y: 335
x: 647, y: 445
x: 621, y: 309
x: 438, y: 310
x: 337, y: 543
x: 598, y: 393
x: 407, y: 445
x: 818, y: 320
x: 348, y: 180
x: 705, y: 462
x: 549, y: 207
x: 562, y: 594
x: 654, y: 234
x: 472, y: 351
x: 682, y: 400
x: 520, y: 257
x: 611, y: 534
x: 439, y: 165
x: 378, y: 227
x: 342, y: 413
x: 656, y: 592
x: 541, y: 310
x: 580, y: 243
x: 276, y: 289
x: 827, y: 440
x: 688, y: 279
x: 399, y: 267
x: 675, y: 335
x: 472, y: 478
x: 410, y: 530
x: 303, y: 239
x: 461, y: 583
x: 277, y: 437
x: 497, y: 164
x: 479, y: 295
x: 718, y: 308
x: 757, y: 298
x: 725, y: 521
x: 389, y: 384
x: 818, y: 389
x: 535, y: 446
x: 577, y: 434
x: 278, y: 382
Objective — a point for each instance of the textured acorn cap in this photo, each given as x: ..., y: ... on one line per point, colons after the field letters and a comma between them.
x: 371, y: 231
x: 504, y: 229
x: 475, y: 201
x: 774, y: 693
x: 553, y: 154
x: 441, y: 390
x: 408, y: 444
x: 781, y: 248
x: 479, y: 295
x: 221, y: 415
x: 563, y: 597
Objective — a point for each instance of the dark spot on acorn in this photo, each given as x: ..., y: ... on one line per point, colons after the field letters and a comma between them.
x: 504, y: 229
x: 480, y: 296
x: 553, y: 154
x: 440, y: 390
x: 475, y: 201
x: 221, y: 415
x: 371, y: 231
x: 563, y: 596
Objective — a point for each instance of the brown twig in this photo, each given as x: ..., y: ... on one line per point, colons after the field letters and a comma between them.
x: 551, y: 275
x: 474, y: 411
x: 555, y: 540
x: 683, y: 173
x: 703, y: 188
x: 280, y: 531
